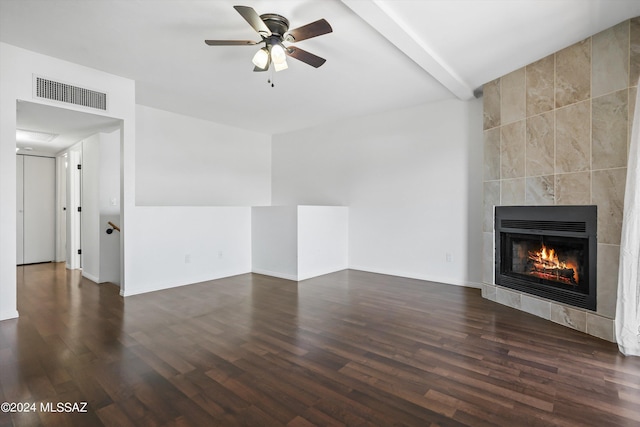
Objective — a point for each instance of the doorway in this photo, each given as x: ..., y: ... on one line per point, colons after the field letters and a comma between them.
x: 77, y: 207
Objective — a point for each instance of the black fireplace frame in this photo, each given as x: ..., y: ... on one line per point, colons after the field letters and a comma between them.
x: 563, y: 221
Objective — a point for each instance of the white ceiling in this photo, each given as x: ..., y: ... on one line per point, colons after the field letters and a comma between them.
x: 70, y: 126
x: 382, y: 54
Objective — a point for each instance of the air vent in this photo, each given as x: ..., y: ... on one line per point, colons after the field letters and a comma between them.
x: 62, y: 92
x: 572, y: 226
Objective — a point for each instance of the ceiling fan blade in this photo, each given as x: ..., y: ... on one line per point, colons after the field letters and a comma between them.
x: 252, y: 17
x: 304, y: 56
x: 308, y: 31
x: 230, y: 42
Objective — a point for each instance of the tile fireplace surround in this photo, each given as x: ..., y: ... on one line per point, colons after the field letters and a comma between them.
x: 556, y: 132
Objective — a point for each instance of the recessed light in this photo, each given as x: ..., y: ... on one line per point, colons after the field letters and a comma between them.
x: 23, y: 135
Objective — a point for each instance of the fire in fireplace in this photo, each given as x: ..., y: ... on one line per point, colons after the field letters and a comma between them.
x: 547, y: 266
x: 548, y: 251
x: 552, y: 260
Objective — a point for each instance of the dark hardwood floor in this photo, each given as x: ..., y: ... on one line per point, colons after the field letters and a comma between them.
x: 349, y: 348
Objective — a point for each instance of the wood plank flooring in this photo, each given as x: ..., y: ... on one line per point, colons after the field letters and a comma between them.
x: 349, y: 348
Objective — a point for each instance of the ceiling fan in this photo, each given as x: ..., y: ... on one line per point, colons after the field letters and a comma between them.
x: 274, y: 31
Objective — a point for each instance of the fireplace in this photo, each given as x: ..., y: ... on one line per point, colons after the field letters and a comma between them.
x: 548, y: 251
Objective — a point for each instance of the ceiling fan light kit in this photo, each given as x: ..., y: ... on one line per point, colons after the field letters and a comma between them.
x: 281, y: 66
x: 261, y: 58
x: 277, y: 54
x: 274, y: 31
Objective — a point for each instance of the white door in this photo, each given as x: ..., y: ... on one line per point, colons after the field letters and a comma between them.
x: 74, y: 199
x: 38, y: 223
x: 20, y: 210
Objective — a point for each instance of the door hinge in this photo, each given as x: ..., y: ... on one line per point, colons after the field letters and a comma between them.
x: 79, y: 208
x: 79, y: 166
x: 79, y: 251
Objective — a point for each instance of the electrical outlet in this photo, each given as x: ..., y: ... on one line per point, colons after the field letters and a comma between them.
x: 449, y: 257
x: 187, y: 258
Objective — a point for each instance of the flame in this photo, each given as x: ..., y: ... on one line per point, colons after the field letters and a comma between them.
x: 546, y: 260
x: 552, y: 257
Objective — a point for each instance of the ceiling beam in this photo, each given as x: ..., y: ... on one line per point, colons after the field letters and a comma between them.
x: 379, y: 16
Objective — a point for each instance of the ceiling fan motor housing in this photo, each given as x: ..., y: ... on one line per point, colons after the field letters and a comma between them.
x: 277, y: 24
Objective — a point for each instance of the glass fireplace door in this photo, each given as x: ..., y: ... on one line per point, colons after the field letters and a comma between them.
x: 547, y: 260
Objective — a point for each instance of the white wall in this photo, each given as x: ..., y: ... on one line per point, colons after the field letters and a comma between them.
x: 323, y: 234
x: 109, y: 188
x: 183, y: 161
x: 190, y: 173
x: 408, y: 178
x: 101, y: 203
x: 61, y: 208
x: 181, y: 245
x: 17, y: 67
x: 109, y: 204
x: 274, y: 241
x: 73, y: 200
x: 299, y: 242
x: 91, y: 208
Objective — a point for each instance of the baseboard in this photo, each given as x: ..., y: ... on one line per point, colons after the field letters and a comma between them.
x: 275, y: 274
x: 318, y: 273
x: 127, y: 292
x: 475, y: 285
x: 425, y: 277
x: 9, y: 314
x: 91, y: 277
